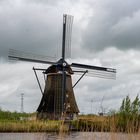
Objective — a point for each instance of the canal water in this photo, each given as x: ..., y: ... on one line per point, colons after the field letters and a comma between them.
x: 69, y: 136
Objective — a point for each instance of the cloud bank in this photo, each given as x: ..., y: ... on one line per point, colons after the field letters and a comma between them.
x: 105, y: 33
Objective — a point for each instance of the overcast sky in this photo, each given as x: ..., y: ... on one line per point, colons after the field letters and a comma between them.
x: 105, y: 33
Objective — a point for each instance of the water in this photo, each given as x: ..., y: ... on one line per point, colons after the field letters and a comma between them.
x: 69, y: 136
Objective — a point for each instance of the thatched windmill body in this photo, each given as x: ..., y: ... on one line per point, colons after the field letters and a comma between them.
x: 58, y: 98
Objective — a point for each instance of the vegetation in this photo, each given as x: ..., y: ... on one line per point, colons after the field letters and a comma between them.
x: 7, y: 115
x: 26, y: 122
x: 28, y: 126
x: 129, y: 115
x: 127, y: 119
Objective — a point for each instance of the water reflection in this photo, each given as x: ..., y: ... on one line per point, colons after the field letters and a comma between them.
x: 69, y: 136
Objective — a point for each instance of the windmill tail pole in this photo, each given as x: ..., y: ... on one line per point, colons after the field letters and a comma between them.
x: 63, y: 89
x: 63, y: 59
x: 80, y: 78
x: 37, y: 80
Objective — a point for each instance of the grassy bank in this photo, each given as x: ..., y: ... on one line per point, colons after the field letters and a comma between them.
x: 84, y: 123
x: 29, y: 126
x: 26, y: 122
x: 127, y: 119
x: 112, y: 123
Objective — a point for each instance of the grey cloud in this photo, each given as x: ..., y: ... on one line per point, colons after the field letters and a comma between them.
x: 113, y: 23
x: 49, y: 2
x: 37, y: 27
x: 17, y: 78
x: 53, y: 3
x: 126, y: 83
x: 30, y: 28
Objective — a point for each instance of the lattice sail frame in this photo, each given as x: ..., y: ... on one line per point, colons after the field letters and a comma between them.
x: 94, y: 71
x: 69, y: 22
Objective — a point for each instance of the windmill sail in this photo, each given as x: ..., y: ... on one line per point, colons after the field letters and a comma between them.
x: 94, y: 71
x: 30, y: 57
x: 67, y: 32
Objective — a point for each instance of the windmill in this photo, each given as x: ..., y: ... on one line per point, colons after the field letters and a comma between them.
x: 58, y: 98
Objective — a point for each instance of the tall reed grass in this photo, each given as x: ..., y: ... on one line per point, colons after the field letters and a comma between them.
x: 112, y: 123
x: 126, y: 120
x: 29, y: 126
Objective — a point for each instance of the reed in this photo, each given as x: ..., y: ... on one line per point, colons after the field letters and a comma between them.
x: 126, y: 120
x: 114, y: 123
x: 29, y: 126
